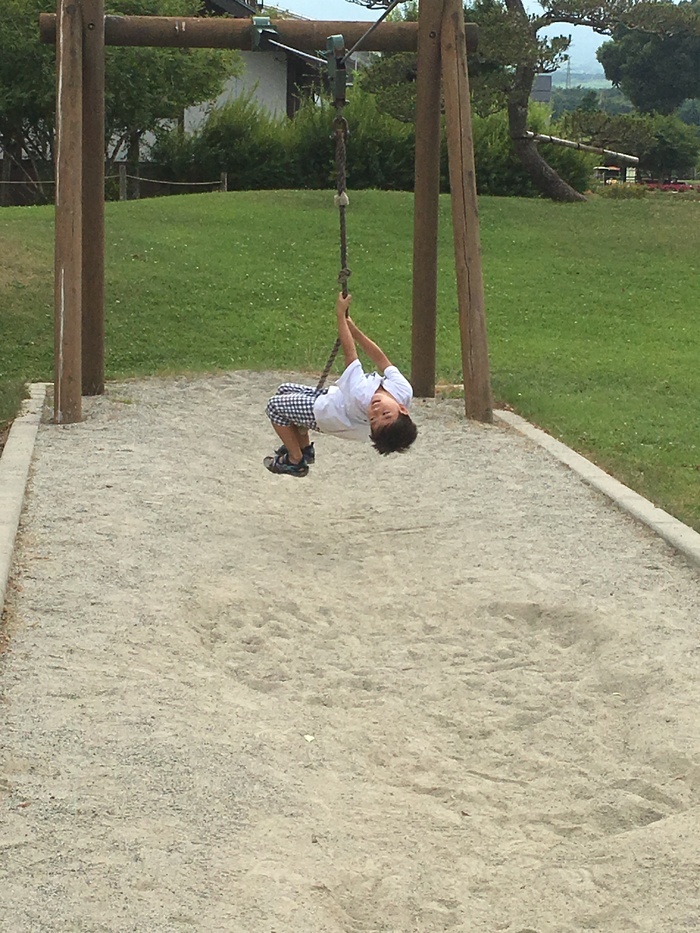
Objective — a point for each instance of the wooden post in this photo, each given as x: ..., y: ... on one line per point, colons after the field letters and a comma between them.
x: 93, y: 326
x: 5, y: 178
x: 68, y: 263
x: 223, y: 184
x: 465, y: 216
x: 133, y: 165
x: 219, y: 32
x: 426, y: 199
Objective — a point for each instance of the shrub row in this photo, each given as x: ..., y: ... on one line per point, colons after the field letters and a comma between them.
x: 258, y: 151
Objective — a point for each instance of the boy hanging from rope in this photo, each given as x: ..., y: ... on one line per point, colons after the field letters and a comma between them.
x: 360, y: 406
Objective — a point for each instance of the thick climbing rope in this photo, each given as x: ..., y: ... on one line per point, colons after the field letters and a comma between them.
x: 340, y: 131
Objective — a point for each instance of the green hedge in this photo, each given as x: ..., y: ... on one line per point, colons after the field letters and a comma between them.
x: 263, y: 152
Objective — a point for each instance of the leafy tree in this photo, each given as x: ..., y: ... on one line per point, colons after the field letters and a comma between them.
x: 676, y: 148
x: 509, y: 56
x: 657, y: 70
x: 511, y: 38
x: 573, y: 98
x: 663, y: 144
x: 609, y: 100
x: 143, y: 86
x: 512, y: 51
x: 612, y: 100
x: 27, y: 92
x: 392, y: 79
x: 689, y: 112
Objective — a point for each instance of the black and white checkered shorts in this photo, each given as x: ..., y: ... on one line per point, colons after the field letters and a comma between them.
x: 294, y: 404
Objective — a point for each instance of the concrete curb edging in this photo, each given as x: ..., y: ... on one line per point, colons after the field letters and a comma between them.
x: 674, y: 532
x: 14, y: 471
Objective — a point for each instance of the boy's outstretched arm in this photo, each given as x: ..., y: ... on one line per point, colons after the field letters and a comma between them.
x: 375, y: 353
x: 347, y: 341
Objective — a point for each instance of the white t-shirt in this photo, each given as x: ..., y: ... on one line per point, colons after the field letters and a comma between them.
x: 343, y: 409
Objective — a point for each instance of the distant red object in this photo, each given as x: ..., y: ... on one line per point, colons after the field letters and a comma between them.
x: 672, y: 186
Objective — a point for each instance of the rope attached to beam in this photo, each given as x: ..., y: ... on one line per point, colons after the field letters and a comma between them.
x: 371, y: 29
x: 340, y: 129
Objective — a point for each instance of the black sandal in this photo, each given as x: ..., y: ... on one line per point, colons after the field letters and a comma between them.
x: 280, y: 463
x: 308, y: 453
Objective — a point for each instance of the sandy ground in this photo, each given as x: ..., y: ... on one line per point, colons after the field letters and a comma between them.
x: 454, y: 690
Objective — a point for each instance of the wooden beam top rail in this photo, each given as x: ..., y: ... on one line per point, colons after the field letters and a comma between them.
x: 228, y: 33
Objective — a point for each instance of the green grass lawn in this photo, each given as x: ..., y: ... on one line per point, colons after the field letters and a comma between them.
x: 590, y: 307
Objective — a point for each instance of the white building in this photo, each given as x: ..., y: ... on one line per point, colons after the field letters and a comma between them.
x: 272, y: 77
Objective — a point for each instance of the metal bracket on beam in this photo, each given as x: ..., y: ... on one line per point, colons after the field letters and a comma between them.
x: 266, y: 37
x: 263, y: 31
x: 337, y: 70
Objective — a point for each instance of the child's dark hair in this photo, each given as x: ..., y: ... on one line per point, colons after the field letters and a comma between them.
x: 396, y: 437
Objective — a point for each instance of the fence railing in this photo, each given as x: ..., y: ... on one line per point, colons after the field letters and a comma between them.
x: 124, y: 177
x: 126, y: 191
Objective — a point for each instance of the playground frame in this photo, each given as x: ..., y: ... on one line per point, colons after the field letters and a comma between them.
x: 81, y: 30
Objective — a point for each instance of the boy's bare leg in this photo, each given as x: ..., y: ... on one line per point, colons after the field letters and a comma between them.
x: 290, y: 436
x: 302, y: 436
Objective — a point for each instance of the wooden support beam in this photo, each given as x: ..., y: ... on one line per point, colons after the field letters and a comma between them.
x: 465, y: 216
x: 221, y: 32
x: 93, y: 288
x: 426, y: 200
x: 68, y: 262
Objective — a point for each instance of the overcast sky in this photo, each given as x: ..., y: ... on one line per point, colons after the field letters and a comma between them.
x: 328, y: 9
x: 583, y: 47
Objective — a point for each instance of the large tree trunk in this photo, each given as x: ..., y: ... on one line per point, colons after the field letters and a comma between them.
x: 541, y: 172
